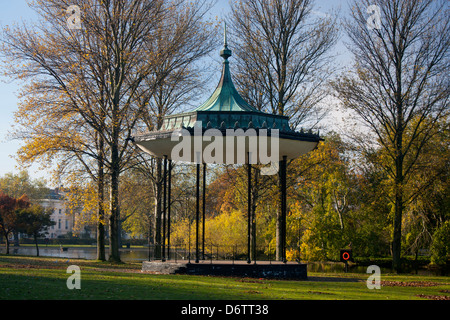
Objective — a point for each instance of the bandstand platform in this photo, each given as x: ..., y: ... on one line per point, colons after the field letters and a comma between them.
x: 237, y: 268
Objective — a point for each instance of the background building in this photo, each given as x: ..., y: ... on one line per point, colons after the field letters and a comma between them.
x: 64, y: 220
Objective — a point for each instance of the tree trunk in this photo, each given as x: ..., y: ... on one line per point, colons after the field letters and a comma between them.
x: 341, y: 219
x: 101, y: 211
x: 16, y: 239
x: 254, y: 200
x: 253, y: 234
x: 279, y: 236
x: 398, y: 187
x: 101, y: 255
x: 150, y: 238
x: 114, y: 254
x: 7, y: 244
x: 397, y: 236
x: 37, y: 247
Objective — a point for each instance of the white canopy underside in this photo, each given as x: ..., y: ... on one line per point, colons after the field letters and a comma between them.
x: 226, y: 150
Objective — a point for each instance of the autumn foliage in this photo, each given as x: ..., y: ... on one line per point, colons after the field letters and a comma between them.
x: 9, y: 220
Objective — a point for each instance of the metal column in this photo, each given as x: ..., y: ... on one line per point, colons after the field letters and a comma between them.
x: 283, y: 207
x: 204, y: 211
x: 249, y: 207
x: 163, y: 257
x: 169, y: 194
x: 197, y: 216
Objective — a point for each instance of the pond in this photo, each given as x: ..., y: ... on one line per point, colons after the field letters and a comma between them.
x: 89, y: 253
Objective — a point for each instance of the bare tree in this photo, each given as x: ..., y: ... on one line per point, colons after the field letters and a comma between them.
x: 283, y: 59
x: 180, y: 78
x: 284, y: 56
x: 88, y: 80
x: 399, y: 86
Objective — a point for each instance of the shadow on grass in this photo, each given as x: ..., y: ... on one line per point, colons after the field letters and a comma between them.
x: 50, y: 284
x: 333, y: 279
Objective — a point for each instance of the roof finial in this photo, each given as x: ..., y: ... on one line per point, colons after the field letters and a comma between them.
x: 225, y: 44
x: 225, y: 52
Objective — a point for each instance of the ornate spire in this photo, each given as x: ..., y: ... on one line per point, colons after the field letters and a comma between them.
x: 225, y: 43
x: 226, y: 97
x: 225, y: 52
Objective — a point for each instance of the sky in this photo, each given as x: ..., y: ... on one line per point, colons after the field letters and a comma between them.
x: 16, y: 11
x: 10, y: 12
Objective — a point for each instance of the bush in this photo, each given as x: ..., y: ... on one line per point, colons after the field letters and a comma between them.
x: 440, y: 246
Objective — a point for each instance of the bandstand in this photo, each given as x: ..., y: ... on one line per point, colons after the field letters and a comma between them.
x: 227, y: 130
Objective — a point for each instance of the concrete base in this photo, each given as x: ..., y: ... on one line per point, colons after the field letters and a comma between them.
x: 261, y: 269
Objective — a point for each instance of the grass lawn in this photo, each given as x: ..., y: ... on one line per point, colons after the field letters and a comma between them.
x: 24, y: 277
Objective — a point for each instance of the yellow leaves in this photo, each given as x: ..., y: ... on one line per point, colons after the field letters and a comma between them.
x: 310, y: 252
x: 82, y: 201
x: 226, y: 230
x: 292, y: 255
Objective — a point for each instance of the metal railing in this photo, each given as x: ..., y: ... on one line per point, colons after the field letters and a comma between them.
x: 213, y: 252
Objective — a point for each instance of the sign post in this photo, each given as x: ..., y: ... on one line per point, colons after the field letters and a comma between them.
x: 346, y: 256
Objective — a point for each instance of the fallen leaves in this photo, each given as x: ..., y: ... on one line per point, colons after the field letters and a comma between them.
x: 419, y: 284
x: 433, y: 297
x: 319, y: 292
x: 410, y: 283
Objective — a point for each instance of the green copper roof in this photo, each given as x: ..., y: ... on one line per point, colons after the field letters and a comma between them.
x: 226, y: 108
x: 226, y: 97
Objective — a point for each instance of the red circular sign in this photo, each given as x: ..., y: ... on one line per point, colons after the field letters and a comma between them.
x: 345, y: 256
